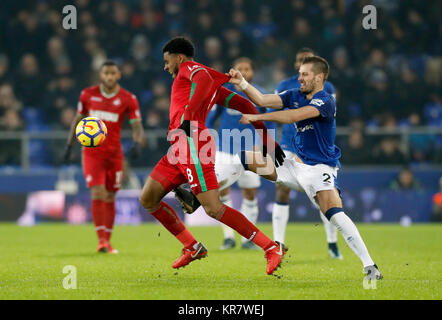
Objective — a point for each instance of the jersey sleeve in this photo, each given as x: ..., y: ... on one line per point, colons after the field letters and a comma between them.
x: 287, y: 97
x: 189, y: 69
x: 134, y: 108
x: 325, y: 106
x: 82, y: 107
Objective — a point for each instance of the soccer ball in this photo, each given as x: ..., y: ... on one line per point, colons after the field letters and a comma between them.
x: 91, y: 132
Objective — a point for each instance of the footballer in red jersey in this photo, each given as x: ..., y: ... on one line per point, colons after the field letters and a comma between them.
x: 103, y: 165
x: 191, y: 157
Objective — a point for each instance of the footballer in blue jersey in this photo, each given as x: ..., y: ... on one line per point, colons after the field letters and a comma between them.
x: 228, y: 145
x: 281, y: 207
x: 314, y: 168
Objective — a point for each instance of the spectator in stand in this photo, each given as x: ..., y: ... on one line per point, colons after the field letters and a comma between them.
x: 405, y: 181
x: 356, y: 152
x: 387, y: 152
x: 8, y: 99
x: 29, y: 83
x: 10, y: 152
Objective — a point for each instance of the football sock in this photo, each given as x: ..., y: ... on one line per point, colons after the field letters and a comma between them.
x: 228, y: 232
x: 98, y: 211
x: 350, y: 233
x: 331, y: 232
x: 280, y: 217
x: 109, y: 219
x: 250, y: 210
x: 244, y: 227
x: 169, y: 219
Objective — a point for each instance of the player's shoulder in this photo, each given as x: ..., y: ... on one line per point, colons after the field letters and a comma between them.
x: 191, y: 66
x: 126, y: 93
x: 291, y: 91
x: 322, y: 97
x: 91, y: 90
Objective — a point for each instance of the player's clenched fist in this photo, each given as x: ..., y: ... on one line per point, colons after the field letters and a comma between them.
x: 248, y: 118
x: 236, y: 76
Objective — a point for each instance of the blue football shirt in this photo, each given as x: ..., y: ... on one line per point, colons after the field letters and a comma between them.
x: 289, y: 130
x: 314, y: 142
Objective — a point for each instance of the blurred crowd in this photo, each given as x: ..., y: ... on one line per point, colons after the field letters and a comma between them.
x: 385, y: 78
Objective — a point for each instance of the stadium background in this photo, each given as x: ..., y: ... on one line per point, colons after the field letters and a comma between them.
x: 388, y: 84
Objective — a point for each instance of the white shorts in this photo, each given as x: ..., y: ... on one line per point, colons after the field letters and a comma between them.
x: 307, y: 178
x: 229, y: 169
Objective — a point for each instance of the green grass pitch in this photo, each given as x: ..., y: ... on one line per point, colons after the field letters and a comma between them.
x: 33, y: 258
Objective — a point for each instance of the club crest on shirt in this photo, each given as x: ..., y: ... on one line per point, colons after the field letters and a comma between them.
x: 116, y: 102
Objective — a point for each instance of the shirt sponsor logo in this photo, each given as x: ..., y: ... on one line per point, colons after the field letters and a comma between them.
x: 104, y: 115
x: 307, y: 127
x: 98, y: 99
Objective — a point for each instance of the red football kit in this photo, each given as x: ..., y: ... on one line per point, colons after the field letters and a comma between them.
x: 103, y: 165
x: 192, y: 159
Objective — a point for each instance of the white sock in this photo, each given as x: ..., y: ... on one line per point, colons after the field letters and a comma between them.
x: 280, y: 217
x: 331, y: 232
x: 228, y: 232
x: 352, y: 236
x: 249, y: 208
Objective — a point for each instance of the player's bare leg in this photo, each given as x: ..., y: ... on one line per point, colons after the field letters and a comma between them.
x: 331, y: 204
x: 98, y: 211
x: 237, y: 221
x: 151, y: 199
x: 249, y: 207
x: 229, y: 235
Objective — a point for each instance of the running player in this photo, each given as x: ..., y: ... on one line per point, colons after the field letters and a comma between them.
x: 281, y: 209
x: 103, y: 166
x: 191, y: 156
x: 315, y: 165
x: 228, y: 145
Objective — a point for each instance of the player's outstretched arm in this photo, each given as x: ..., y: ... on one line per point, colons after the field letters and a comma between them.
x: 286, y: 116
x: 230, y: 99
x: 138, y: 139
x: 273, y: 101
x: 71, y: 137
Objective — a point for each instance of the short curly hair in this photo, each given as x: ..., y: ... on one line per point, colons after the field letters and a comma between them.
x: 180, y: 45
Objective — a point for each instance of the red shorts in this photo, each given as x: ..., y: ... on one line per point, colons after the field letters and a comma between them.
x: 195, y: 166
x: 103, y: 171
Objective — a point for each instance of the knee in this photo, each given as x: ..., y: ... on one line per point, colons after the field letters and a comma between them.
x: 214, y: 210
x: 249, y: 194
x: 98, y: 193
x: 282, y: 194
x: 148, y: 202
